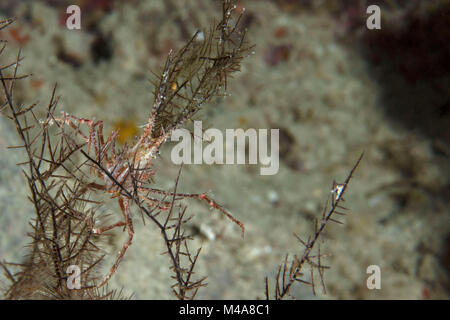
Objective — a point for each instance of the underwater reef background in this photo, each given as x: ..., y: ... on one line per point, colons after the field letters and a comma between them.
x: 332, y: 87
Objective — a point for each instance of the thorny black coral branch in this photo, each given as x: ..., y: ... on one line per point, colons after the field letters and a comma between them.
x: 284, y: 278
